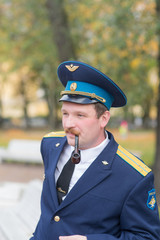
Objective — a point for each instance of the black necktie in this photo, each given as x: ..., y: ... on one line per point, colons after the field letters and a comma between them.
x: 64, y: 180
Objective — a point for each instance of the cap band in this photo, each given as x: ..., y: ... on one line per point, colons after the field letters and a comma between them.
x: 90, y: 91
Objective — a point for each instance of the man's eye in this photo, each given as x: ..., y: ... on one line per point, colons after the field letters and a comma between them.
x: 80, y: 115
x: 65, y: 114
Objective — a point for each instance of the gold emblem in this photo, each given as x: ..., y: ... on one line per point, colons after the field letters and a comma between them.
x: 73, y: 86
x: 60, y: 190
x: 56, y: 218
x: 152, y: 202
x: 71, y: 67
x: 57, y: 144
x: 104, y: 162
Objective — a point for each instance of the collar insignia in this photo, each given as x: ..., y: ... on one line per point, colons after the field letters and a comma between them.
x: 105, y: 162
x: 151, y: 202
x: 57, y: 144
x: 71, y: 67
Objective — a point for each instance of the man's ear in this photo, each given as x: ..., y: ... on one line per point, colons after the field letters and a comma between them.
x: 105, y: 118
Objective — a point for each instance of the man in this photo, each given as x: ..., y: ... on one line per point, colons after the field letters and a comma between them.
x: 109, y: 194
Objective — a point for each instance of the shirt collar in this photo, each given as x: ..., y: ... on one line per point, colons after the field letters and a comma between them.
x: 89, y: 155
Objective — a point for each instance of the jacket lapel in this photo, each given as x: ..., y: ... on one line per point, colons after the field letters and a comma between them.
x: 54, y: 155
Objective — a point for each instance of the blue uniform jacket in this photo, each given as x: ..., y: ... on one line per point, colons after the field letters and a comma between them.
x: 113, y: 200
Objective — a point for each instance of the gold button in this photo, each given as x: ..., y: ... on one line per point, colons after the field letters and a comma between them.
x: 56, y: 218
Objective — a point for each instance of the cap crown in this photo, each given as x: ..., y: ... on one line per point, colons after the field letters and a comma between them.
x: 81, y: 79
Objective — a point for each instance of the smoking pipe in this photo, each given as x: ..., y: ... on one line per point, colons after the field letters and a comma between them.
x: 76, y: 156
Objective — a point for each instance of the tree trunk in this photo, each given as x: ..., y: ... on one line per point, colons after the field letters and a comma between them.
x: 52, y: 106
x: 25, y: 102
x: 65, y: 49
x: 146, y: 117
x: 1, y: 109
x: 60, y: 29
x: 157, y: 156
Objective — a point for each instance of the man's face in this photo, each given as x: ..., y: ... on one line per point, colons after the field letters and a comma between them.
x: 82, y: 119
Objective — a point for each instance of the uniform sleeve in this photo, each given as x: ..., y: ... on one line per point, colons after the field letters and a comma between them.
x: 139, y: 218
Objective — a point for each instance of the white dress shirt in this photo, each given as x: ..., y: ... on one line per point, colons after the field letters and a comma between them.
x: 87, y: 157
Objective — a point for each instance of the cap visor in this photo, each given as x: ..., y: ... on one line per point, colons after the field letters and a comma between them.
x: 77, y: 99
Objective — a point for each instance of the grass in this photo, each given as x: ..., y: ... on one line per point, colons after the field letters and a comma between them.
x: 7, y: 135
x: 139, y: 142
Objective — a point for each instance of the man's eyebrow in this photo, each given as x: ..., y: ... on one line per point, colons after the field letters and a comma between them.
x: 81, y: 112
x: 62, y: 109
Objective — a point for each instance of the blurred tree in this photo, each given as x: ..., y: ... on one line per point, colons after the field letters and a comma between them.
x: 112, y: 35
x: 4, y: 56
x: 30, y: 45
x: 157, y: 156
x: 60, y: 29
x: 116, y: 39
x: 2, y: 80
x: 64, y: 46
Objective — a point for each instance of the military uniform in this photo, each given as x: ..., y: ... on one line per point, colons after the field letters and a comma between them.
x: 114, y: 199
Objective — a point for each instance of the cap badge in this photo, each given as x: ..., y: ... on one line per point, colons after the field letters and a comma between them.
x: 71, y: 67
x: 73, y: 86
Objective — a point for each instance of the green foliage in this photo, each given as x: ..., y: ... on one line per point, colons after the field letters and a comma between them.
x: 140, y: 143
x: 27, y: 35
x: 117, y: 37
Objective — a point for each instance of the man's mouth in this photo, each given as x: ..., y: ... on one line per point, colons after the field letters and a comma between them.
x: 72, y: 132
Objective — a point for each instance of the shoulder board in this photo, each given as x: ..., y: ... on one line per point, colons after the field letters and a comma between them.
x: 133, y: 161
x: 55, y: 134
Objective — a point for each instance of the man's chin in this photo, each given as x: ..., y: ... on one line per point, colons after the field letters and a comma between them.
x: 71, y: 141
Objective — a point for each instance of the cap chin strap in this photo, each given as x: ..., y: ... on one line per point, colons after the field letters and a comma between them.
x: 91, y: 95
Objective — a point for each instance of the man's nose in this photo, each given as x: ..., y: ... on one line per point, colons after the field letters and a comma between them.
x: 70, y: 122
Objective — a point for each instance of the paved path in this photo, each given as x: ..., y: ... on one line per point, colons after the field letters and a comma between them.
x: 14, y: 172
x: 20, y: 190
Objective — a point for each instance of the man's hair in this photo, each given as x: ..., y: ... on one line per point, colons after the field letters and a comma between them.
x: 100, y: 109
